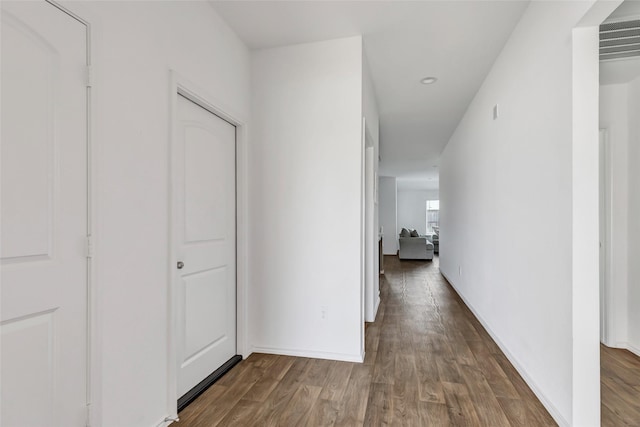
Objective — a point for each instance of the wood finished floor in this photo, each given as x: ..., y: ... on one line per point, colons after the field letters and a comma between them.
x: 620, y: 387
x: 428, y: 363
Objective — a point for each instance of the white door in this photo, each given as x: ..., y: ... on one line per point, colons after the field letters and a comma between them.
x: 43, y: 217
x: 206, y: 237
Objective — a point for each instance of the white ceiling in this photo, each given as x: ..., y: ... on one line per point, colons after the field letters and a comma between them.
x: 627, y: 9
x: 404, y: 41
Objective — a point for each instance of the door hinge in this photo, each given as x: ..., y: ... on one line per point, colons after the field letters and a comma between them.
x: 89, y: 247
x: 89, y: 76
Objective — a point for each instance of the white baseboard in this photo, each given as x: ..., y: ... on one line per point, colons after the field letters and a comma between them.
x: 167, y: 420
x: 310, y: 354
x: 627, y: 346
x: 633, y: 349
x: 557, y: 416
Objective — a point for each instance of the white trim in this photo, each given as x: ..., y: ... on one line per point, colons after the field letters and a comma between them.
x: 633, y: 349
x: 79, y: 12
x: 181, y: 86
x: 344, y: 357
x: 609, y: 328
x: 363, y: 231
x: 585, y: 253
x: 555, y: 413
x: 72, y: 14
x: 166, y: 421
x: 623, y: 345
x: 93, y: 377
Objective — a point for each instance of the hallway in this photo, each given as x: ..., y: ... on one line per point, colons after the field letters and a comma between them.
x: 428, y: 362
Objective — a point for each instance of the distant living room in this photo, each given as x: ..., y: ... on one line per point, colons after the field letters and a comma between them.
x: 419, y: 223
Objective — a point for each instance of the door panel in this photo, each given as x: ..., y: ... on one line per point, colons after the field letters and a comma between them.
x: 206, y: 233
x: 206, y: 321
x: 29, y: 94
x: 205, y: 217
x: 43, y: 217
x: 28, y: 360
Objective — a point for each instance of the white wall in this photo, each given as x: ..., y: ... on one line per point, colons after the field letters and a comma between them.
x: 305, y: 178
x: 510, y: 264
x: 614, y: 117
x: 370, y: 107
x: 135, y: 44
x: 412, y: 209
x: 387, y: 196
x: 634, y: 217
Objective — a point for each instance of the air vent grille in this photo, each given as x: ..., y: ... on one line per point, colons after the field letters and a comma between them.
x: 619, y: 40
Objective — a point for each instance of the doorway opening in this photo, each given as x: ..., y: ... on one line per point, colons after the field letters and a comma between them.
x: 619, y: 210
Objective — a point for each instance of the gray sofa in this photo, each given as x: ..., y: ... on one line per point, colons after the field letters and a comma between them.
x: 435, y: 239
x: 415, y: 248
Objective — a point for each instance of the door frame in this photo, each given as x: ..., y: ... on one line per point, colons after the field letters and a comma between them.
x: 607, y: 320
x: 180, y: 86
x: 93, y: 349
x: 371, y: 243
x: 91, y: 21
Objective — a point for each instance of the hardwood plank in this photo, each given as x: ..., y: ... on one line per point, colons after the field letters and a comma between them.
x: 337, y: 381
x: 493, y: 373
x: 280, y: 367
x: 620, y: 391
x: 261, y: 390
x: 356, y: 396
x: 428, y: 362
x: 433, y: 414
x: 243, y: 414
x: 196, y: 414
x: 485, y: 402
x: 405, y: 412
x: 515, y: 411
x: 460, y: 405
x: 265, y: 361
x: 324, y: 413
x: 448, y: 371
x: 379, y: 406
x: 279, y: 398
x: 273, y: 372
x: 300, y: 405
x: 225, y: 402
x: 610, y: 418
x: 406, y: 377
x: 372, y: 339
x: 384, y: 367
x: 617, y: 401
x: 460, y: 348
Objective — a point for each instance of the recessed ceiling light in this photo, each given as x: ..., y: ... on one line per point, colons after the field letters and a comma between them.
x: 428, y: 80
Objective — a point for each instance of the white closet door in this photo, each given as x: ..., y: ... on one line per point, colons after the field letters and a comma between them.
x: 43, y: 217
x: 206, y: 234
